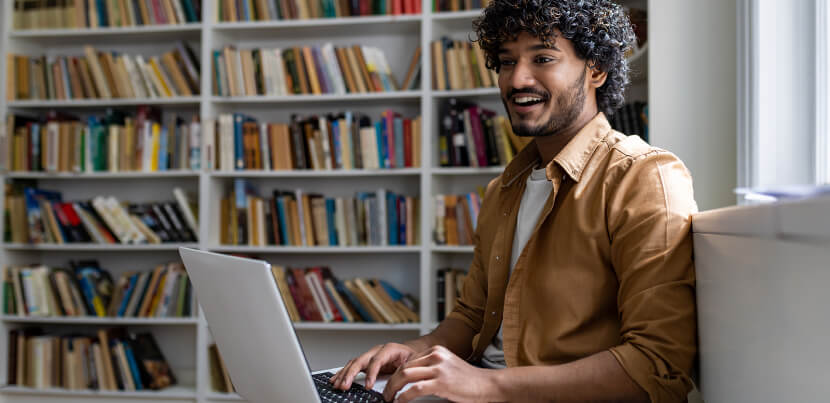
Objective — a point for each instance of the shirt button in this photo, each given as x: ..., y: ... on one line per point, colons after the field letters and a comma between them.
x: 498, y: 257
x: 493, y: 313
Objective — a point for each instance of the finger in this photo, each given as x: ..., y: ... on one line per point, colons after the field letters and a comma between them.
x: 423, y: 361
x: 358, y: 365
x: 422, y: 388
x: 404, y: 376
x: 339, y: 375
x: 383, y: 357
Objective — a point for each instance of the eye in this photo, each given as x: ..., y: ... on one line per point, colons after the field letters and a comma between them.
x: 506, y: 62
x: 544, y: 59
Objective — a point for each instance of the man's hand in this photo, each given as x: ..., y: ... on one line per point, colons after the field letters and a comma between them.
x: 383, y: 359
x: 437, y: 371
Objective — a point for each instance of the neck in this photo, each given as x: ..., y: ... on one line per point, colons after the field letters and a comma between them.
x: 550, y: 146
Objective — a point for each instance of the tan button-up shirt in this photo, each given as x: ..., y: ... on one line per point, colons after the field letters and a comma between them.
x: 608, y: 266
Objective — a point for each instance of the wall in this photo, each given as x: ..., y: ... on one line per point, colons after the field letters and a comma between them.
x: 692, y: 91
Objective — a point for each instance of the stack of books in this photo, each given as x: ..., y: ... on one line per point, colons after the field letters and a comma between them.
x: 314, y: 294
x: 41, y: 216
x: 449, y: 283
x: 302, y: 70
x: 111, y: 360
x: 631, y: 119
x: 473, y: 136
x: 337, y: 141
x: 456, y: 217
x: 458, y: 5
x: 88, y: 290
x: 103, y: 75
x: 110, y: 143
x: 37, y: 14
x: 220, y: 379
x: 460, y: 65
x: 297, y: 218
x: 263, y: 10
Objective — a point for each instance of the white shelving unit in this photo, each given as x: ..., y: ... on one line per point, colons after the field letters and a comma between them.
x: 185, y: 341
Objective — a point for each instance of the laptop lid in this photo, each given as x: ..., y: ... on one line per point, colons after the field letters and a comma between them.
x: 251, y: 327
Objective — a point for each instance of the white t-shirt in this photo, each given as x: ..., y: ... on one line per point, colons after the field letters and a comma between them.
x: 536, y: 194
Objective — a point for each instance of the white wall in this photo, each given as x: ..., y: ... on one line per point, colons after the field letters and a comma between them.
x: 692, y: 91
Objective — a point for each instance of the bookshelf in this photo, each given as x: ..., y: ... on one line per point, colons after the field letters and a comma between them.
x: 185, y: 341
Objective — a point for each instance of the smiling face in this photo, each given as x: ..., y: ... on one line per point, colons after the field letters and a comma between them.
x: 543, y: 88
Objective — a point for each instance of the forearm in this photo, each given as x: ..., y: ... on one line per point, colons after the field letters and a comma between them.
x: 450, y: 333
x: 596, y: 378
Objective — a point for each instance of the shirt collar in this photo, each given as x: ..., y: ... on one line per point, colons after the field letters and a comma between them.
x: 572, y: 159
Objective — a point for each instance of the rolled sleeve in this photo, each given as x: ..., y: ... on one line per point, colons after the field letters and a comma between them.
x: 649, y: 221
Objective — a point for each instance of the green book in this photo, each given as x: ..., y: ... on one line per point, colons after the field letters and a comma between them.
x: 82, y: 162
x: 8, y: 298
x: 183, y: 282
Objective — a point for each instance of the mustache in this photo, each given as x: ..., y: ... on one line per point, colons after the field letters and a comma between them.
x: 528, y: 90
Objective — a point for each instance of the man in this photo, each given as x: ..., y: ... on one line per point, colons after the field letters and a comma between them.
x: 582, y: 281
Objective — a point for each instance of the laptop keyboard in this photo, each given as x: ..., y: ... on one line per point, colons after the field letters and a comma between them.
x: 357, y: 393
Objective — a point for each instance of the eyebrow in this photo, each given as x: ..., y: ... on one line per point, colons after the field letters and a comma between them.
x: 534, y: 48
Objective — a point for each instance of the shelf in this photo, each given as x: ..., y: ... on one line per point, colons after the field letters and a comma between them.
x: 356, y: 326
x: 223, y: 396
x: 103, y: 175
x: 94, y: 247
x: 456, y: 15
x: 317, y: 174
x: 155, y: 30
x: 315, y: 249
x: 316, y: 22
x: 476, y: 92
x: 103, y: 103
x: 174, y: 392
x: 467, y: 171
x: 453, y: 248
x: 358, y: 97
x: 92, y: 320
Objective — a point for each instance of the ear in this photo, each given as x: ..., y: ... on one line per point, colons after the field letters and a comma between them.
x: 595, y: 77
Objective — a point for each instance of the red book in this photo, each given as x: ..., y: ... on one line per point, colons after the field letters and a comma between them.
x: 407, y: 142
x: 308, y: 301
x: 318, y: 273
x: 417, y: 7
x: 396, y: 7
x: 296, y: 295
x: 478, y: 135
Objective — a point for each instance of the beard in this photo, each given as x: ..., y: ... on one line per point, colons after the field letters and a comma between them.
x: 568, y: 105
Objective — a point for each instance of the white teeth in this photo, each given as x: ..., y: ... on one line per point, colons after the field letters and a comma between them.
x: 523, y: 100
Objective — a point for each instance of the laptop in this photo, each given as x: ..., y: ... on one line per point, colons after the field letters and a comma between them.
x: 252, y: 329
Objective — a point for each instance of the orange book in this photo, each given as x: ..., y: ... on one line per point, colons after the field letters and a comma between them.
x: 176, y: 75
x: 364, y: 69
x: 344, y: 68
x: 301, y: 70
x: 152, y: 288
x: 451, y: 220
x: 354, y: 66
x: 313, y: 80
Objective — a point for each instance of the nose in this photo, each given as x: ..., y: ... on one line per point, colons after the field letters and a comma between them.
x: 521, y: 76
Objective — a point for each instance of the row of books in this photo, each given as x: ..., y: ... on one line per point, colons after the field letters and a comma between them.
x: 86, y: 289
x: 315, y: 294
x: 263, y: 10
x: 631, y: 119
x: 298, y: 218
x: 473, y: 136
x: 113, y: 359
x: 455, y: 218
x: 103, y: 75
x: 448, y: 286
x: 459, y: 65
x: 458, y: 5
x: 57, y: 14
x: 114, y: 142
x: 41, y: 216
x: 336, y: 141
x: 302, y: 70
x: 220, y: 379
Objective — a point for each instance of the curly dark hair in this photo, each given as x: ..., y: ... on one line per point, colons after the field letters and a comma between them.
x: 599, y: 29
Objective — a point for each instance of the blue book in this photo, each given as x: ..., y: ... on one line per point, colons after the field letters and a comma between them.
x: 127, y: 295
x: 384, y: 145
x: 88, y: 289
x: 34, y: 140
x: 128, y: 351
x: 379, y: 142
x: 283, y: 223
x: 392, y: 291
x: 32, y: 198
x: 353, y: 300
x: 338, y: 145
x: 330, y: 222
x: 163, y: 149
x: 238, y: 147
x: 392, y: 218
x: 246, y: 11
x: 400, y: 161
x: 216, y: 64
x: 402, y: 220
x: 102, y: 13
